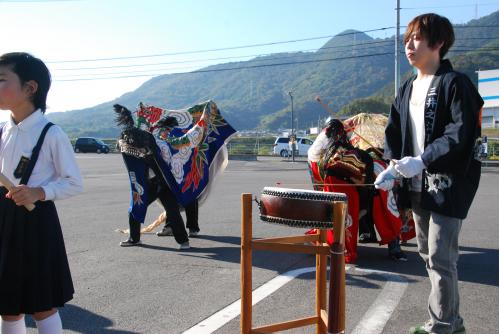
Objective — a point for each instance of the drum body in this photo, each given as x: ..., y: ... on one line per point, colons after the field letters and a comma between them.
x: 299, y: 207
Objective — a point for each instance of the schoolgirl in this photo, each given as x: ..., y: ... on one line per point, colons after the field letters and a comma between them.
x: 37, y: 157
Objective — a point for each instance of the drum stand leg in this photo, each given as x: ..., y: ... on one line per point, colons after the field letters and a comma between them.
x: 320, y: 287
x: 246, y: 263
x: 336, y: 313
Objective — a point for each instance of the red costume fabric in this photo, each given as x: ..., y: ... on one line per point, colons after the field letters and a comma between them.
x: 334, y: 184
x: 389, y: 221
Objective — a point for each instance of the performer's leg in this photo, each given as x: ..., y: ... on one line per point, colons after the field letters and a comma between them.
x: 134, y: 238
x: 173, y: 213
x: 134, y: 225
x: 395, y: 251
x: 366, y: 224
x: 191, y: 212
x: 134, y: 228
x: 166, y: 231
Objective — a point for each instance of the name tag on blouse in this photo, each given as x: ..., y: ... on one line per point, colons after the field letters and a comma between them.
x: 21, y: 167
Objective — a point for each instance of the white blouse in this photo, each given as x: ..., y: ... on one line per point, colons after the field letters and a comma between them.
x: 56, y: 170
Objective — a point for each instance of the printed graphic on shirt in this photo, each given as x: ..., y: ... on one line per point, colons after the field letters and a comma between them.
x: 437, y: 183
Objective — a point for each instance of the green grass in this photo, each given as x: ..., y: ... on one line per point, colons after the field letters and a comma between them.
x: 494, y: 133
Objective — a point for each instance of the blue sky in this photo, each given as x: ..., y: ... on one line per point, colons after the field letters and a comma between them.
x: 62, y: 33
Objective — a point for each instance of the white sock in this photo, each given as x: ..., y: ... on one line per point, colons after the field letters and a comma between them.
x: 50, y: 325
x: 14, y: 327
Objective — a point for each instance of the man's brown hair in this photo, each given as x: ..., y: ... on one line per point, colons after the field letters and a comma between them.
x: 434, y: 28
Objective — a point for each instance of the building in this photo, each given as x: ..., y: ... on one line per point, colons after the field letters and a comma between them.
x: 488, y: 86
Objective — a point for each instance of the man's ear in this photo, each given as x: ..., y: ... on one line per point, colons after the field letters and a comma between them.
x: 31, y: 87
x: 438, y: 46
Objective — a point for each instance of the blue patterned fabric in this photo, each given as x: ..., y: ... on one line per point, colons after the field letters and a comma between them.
x: 189, y: 152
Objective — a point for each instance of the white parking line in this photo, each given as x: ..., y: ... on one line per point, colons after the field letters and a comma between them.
x: 374, y: 319
x: 378, y: 314
x: 93, y: 176
x: 217, y: 320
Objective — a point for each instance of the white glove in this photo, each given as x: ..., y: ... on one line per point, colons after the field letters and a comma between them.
x: 386, y: 179
x: 409, y: 166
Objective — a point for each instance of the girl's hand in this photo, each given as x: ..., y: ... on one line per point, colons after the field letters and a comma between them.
x: 23, y: 195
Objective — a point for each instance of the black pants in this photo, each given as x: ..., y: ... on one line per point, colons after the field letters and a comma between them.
x: 172, y: 208
x: 366, y: 223
x: 191, y: 214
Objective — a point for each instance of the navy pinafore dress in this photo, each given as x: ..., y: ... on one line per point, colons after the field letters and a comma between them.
x: 34, y: 269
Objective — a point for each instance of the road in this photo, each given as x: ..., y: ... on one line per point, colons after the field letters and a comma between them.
x: 158, y: 289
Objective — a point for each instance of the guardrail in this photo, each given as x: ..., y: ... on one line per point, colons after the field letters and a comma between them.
x: 492, y: 152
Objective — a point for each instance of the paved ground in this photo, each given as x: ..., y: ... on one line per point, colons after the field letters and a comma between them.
x: 158, y: 289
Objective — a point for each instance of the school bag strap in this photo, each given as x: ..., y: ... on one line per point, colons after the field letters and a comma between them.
x: 34, y: 154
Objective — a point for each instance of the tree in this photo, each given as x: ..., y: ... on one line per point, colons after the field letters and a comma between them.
x: 372, y: 105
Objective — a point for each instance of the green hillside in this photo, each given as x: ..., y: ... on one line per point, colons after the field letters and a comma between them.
x: 254, y: 94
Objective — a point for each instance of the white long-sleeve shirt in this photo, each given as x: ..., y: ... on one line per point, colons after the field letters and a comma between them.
x: 318, y: 148
x: 416, y: 119
x: 56, y: 170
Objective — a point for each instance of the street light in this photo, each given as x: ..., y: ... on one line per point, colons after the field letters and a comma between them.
x: 292, y: 137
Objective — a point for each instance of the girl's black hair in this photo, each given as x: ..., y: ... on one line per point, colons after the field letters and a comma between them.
x: 29, y: 68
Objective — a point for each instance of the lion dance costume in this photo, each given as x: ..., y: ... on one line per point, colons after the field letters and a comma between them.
x: 336, y: 165
x: 176, y: 151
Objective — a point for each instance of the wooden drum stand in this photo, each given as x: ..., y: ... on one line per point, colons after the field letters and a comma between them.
x: 308, y: 209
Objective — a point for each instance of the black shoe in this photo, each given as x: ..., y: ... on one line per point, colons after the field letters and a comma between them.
x: 193, y: 233
x: 366, y: 238
x: 184, y: 245
x: 398, y: 256
x: 165, y: 232
x: 130, y: 243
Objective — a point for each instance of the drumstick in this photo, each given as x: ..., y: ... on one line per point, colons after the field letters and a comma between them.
x: 327, y: 184
x: 9, y: 185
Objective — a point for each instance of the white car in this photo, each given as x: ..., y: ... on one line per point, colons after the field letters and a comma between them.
x: 281, y: 146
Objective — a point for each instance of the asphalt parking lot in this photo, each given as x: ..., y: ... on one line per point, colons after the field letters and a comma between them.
x: 159, y: 289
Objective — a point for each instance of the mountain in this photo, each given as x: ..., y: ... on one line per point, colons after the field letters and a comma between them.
x: 254, y: 93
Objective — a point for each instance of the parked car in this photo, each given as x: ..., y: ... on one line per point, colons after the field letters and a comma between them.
x: 90, y: 144
x: 281, y: 146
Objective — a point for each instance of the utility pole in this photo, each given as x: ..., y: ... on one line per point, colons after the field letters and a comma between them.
x: 397, y: 52
x: 292, y: 137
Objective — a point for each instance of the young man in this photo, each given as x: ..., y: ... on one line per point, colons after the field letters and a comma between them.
x: 432, y: 129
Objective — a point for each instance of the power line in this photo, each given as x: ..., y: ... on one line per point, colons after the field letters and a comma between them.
x: 461, y: 50
x: 362, y: 46
x: 477, y: 26
x: 239, y: 47
x: 26, y: 1
x: 218, y: 49
x: 218, y: 58
x: 242, y: 67
x: 185, y: 67
x: 451, y: 6
x: 357, y: 48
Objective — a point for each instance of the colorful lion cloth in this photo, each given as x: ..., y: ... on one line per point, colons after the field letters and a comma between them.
x: 185, y: 149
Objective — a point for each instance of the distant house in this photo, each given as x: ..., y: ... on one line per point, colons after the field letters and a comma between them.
x: 488, y: 86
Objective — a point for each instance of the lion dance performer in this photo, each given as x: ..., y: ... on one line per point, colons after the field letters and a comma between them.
x: 336, y: 165
x: 173, y: 156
